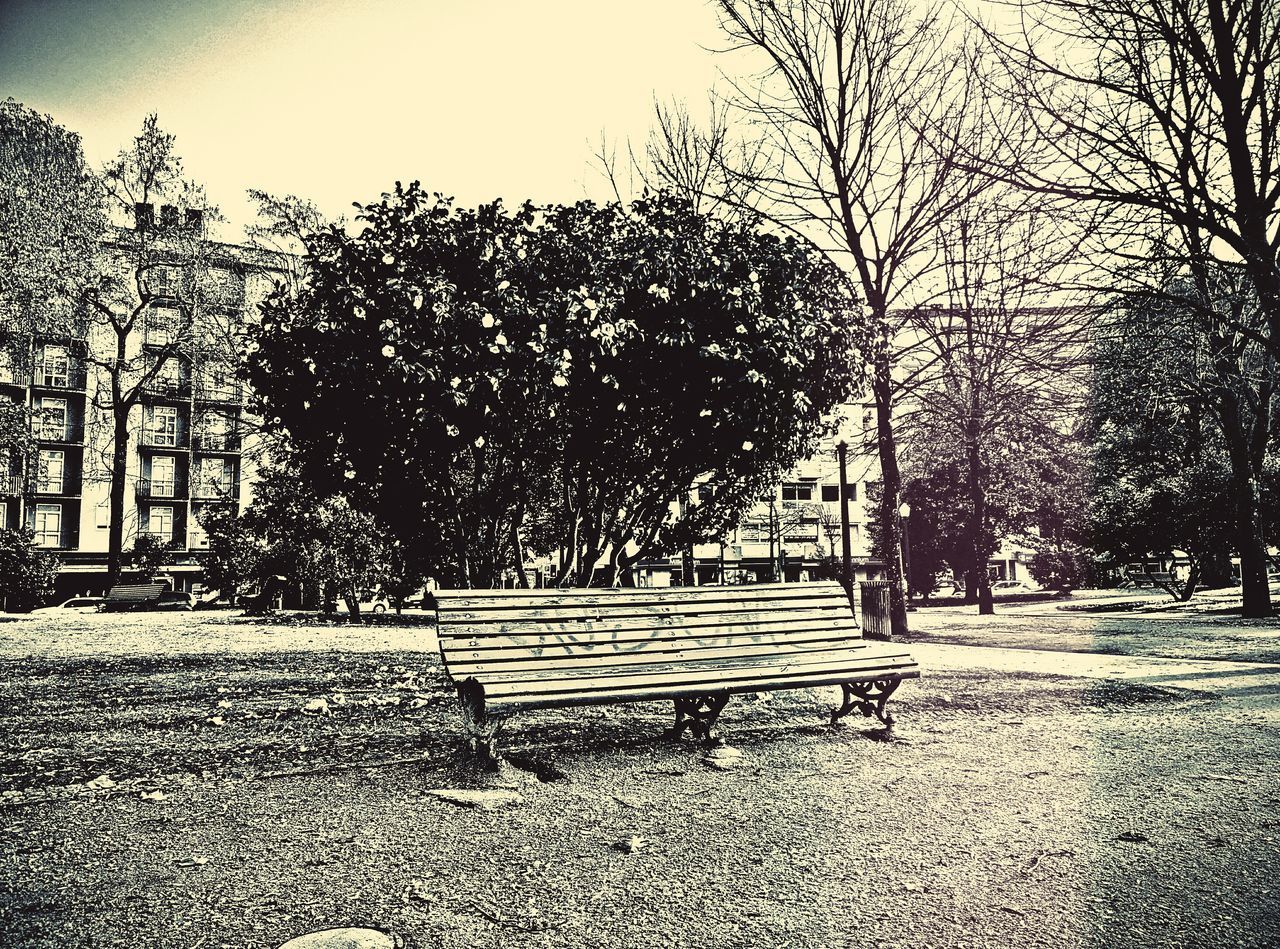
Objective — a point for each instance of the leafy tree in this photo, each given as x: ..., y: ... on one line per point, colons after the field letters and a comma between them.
x: 50, y: 219
x: 318, y: 541
x: 236, y: 553
x: 1164, y: 477
x: 27, y: 572
x: 1061, y: 567
x: 150, y: 555
x: 566, y: 373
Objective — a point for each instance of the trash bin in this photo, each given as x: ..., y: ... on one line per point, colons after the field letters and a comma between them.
x: 875, y: 610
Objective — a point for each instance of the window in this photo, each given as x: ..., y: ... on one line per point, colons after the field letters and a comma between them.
x: 831, y: 492
x: 6, y: 364
x: 160, y: 523
x: 55, y: 367
x: 798, y: 491
x: 217, y: 477
x: 49, y: 525
x: 806, y: 532
x: 163, y: 469
x: 162, y: 281
x: 164, y: 426
x: 168, y: 378
x: 753, y: 531
x: 52, y: 469
x: 53, y: 419
x: 199, y: 539
x: 160, y: 328
x: 853, y: 490
x: 4, y: 516
x: 102, y: 514
x: 706, y: 492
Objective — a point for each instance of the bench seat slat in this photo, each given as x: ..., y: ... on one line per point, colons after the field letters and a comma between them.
x: 601, y: 657
x: 659, y: 689
x: 495, y: 683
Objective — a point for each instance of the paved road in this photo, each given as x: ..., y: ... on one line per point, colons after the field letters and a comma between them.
x: 1239, y: 680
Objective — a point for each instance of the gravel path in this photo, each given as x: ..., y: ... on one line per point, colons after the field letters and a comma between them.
x: 1015, y: 809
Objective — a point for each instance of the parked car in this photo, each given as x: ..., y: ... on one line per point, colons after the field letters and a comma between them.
x: 77, y: 604
x: 175, y: 601
x: 1012, y: 586
x: 371, y: 601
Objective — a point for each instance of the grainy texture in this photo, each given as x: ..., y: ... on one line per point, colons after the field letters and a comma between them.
x: 1015, y: 810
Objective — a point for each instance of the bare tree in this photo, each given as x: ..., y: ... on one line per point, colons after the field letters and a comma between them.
x: 994, y: 364
x: 854, y: 128
x: 151, y: 301
x: 1165, y: 115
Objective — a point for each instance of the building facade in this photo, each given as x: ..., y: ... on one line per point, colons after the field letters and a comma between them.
x: 188, y: 442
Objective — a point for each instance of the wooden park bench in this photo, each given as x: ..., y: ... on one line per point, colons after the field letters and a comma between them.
x: 133, y: 596
x: 506, y: 650
x: 1152, y: 581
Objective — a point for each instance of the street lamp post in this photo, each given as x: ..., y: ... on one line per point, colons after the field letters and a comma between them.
x: 842, y: 452
x: 905, y: 512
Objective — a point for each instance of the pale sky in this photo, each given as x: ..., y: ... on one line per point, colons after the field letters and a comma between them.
x: 337, y: 99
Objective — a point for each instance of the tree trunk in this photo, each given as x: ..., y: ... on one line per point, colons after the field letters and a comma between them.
x: 352, y: 599
x: 119, y: 472
x: 890, y: 522
x: 1193, y: 579
x: 1255, y: 594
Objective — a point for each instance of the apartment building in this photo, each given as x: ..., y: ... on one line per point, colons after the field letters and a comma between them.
x: 188, y: 442
x: 792, y: 530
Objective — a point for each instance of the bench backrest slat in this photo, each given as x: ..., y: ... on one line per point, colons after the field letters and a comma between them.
x: 538, y: 634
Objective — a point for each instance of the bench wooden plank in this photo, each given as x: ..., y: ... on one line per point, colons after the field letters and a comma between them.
x: 537, y: 625
x: 602, y: 659
x: 739, y: 684
x: 626, y: 610
x: 694, y: 670
x: 522, y: 599
x: 467, y: 639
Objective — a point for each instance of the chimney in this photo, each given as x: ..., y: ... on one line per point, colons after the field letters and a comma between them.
x: 195, y: 220
x: 168, y: 215
x: 144, y: 216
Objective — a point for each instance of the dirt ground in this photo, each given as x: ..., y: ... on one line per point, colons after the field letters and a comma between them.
x: 199, y: 781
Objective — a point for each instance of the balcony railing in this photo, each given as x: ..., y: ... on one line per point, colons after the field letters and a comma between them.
x: 152, y: 489
x: 163, y: 441
x: 10, y: 485
x: 215, y: 442
x: 229, y: 394
x: 165, y: 387
x: 216, y: 491
x: 66, y: 487
x: 58, y: 375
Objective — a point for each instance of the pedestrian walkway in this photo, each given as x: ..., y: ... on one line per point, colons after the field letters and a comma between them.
x: 1237, y: 679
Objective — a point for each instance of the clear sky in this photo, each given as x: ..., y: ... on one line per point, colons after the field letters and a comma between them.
x: 337, y: 99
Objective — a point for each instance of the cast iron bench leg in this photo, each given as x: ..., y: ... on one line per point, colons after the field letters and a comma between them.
x: 481, y: 728
x: 869, y: 698
x: 698, y: 715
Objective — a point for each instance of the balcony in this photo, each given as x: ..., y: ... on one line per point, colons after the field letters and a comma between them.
x: 166, y: 387
x: 163, y: 441
x: 66, y: 487
x: 58, y: 375
x: 228, y: 394
x: 173, y: 489
x: 10, y: 486
x: 216, y: 491
x: 216, y: 443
